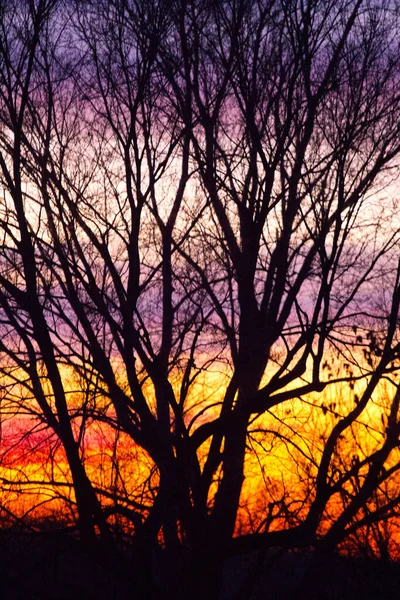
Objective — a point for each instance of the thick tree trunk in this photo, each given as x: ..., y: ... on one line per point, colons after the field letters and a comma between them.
x: 223, y: 517
x: 206, y: 575
x: 89, y: 509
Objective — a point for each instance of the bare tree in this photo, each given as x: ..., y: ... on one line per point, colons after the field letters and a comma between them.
x: 194, y: 188
x: 288, y: 147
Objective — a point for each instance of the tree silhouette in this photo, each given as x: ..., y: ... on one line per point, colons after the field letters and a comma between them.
x: 197, y: 224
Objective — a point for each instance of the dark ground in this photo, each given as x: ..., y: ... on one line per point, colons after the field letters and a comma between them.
x: 310, y: 576
x: 54, y: 567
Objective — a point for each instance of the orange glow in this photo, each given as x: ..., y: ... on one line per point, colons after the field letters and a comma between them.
x: 283, y: 452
